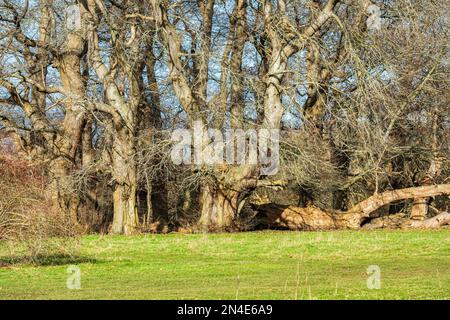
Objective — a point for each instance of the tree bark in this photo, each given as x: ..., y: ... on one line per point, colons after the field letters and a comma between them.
x: 69, y: 140
x: 294, y: 218
x: 125, y: 219
x: 419, y: 210
x: 218, y: 208
x: 222, y: 201
x: 432, y: 223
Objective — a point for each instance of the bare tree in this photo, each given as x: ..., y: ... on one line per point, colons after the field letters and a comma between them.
x: 360, y: 100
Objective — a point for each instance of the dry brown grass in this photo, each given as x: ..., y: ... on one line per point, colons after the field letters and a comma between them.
x: 28, y: 220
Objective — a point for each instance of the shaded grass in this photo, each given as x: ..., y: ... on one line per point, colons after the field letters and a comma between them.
x: 44, y: 260
x: 261, y: 265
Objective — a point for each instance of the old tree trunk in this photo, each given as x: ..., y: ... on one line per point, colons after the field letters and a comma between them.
x: 218, y: 207
x: 125, y: 220
x: 222, y: 201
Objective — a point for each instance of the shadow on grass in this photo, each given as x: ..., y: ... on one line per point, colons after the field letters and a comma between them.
x: 45, y: 260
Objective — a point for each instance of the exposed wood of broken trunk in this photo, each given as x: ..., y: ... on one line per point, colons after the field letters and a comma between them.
x: 315, y: 219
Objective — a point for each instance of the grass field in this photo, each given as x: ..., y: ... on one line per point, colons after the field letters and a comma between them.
x: 262, y: 265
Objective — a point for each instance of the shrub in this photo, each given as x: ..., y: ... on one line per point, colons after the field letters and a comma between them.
x: 28, y: 220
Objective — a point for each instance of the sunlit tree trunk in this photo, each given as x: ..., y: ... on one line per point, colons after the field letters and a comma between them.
x: 125, y: 219
x: 222, y: 201
x: 123, y: 110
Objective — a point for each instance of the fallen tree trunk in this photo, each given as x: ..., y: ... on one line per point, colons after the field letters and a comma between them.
x: 403, y: 221
x: 313, y: 219
x: 294, y: 218
x: 438, y: 221
x: 381, y: 199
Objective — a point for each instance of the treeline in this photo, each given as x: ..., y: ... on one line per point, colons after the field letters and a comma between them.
x: 91, y: 92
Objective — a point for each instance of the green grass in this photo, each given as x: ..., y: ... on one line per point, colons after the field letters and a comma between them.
x: 262, y: 265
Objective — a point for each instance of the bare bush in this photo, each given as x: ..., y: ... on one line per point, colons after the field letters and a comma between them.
x: 28, y: 221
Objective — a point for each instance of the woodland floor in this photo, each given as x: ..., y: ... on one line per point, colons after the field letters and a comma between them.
x: 261, y: 265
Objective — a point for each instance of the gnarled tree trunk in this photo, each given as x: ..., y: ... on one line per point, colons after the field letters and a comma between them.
x: 69, y: 141
x: 220, y: 203
x: 218, y: 207
x: 125, y: 220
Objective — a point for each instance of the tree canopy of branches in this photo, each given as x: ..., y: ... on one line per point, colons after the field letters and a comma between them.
x: 362, y: 110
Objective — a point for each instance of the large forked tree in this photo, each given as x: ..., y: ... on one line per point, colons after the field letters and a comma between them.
x: 222, y: 198
x: 26, y: 80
